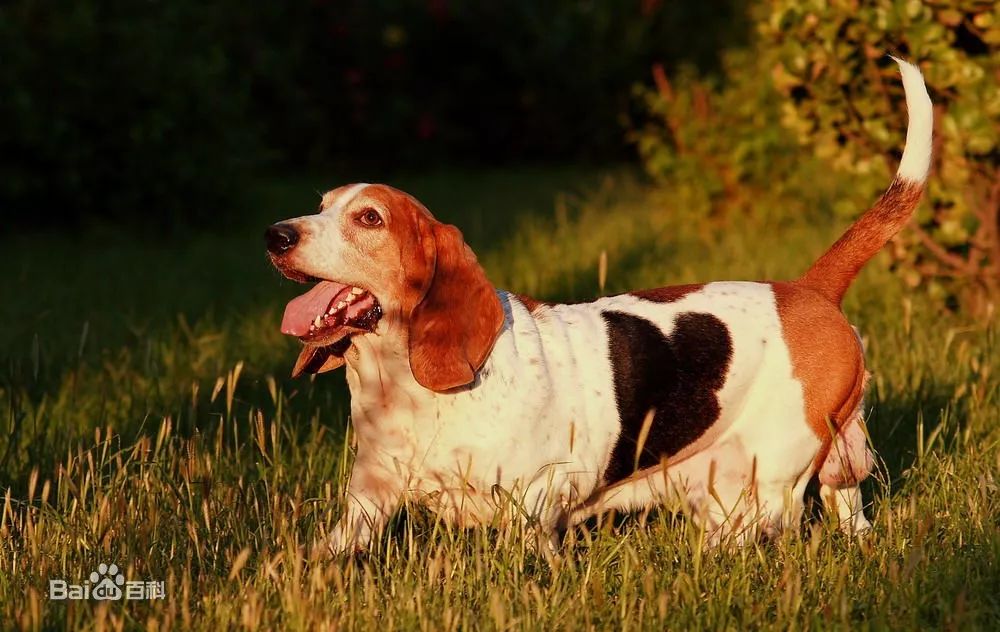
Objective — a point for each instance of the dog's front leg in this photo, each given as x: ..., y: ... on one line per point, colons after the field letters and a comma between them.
x: 372, y: 498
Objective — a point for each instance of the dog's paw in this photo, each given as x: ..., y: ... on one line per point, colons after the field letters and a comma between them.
x: 857, y: 525
x: 346, y: 539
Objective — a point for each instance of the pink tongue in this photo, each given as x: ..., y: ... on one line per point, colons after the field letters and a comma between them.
x: 303, y: 310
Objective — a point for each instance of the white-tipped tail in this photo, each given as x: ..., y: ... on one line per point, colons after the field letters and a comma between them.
x: 916, y: 159
x: 832, y: 273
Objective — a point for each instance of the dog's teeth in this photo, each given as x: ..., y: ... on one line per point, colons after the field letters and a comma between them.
x: 356, y: 291
x: 341, y: 305
x: 318, y: 321
x: 331, y: 311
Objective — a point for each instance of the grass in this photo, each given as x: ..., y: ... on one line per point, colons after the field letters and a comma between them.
x: 148, y: 421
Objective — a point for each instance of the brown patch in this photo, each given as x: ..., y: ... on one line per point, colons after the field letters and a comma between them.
x: 833, y: 273
x: 454, y: 325
x: 826, y: 357
x: 667, y: 294
x: 848, y: 410
x: 532, y: 304
x: 666, y: 387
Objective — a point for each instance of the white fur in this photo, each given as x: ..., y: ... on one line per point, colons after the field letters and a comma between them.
x: 341, y: 201
x: 322, y: 246
x: 916, y: 160
x: 539, y: 423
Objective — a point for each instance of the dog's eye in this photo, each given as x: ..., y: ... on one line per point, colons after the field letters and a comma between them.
x: 370, y: 218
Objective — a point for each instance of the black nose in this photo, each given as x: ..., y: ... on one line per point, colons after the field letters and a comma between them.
x: 280, y: 238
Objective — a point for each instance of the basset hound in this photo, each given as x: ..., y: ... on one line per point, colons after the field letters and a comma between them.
x: 725, y: 398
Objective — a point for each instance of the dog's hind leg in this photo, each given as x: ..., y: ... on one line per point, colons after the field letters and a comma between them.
x: 847, y: 463
x: 847, y: 505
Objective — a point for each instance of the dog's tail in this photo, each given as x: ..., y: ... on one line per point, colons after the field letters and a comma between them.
x: 833, y: 273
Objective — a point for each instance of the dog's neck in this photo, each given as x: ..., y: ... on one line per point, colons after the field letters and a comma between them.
x: 379, y: 376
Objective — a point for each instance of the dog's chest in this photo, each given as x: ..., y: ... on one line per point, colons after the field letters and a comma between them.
x: 543, y: 401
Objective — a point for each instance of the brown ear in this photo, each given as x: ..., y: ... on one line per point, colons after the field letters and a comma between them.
x: 454, y: 326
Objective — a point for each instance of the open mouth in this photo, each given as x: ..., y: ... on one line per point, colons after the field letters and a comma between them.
x: 325, y: 318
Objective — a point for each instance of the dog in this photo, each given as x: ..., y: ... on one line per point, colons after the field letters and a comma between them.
x: 725, y: 398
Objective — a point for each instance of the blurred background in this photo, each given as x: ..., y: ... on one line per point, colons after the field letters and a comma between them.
x: 161, y: 113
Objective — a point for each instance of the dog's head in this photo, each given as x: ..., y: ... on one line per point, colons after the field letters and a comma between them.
x: 382, y: 265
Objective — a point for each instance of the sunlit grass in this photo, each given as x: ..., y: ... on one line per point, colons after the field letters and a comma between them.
x: 154, y: 426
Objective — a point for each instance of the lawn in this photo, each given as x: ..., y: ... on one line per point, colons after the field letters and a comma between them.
x: 149, y: 421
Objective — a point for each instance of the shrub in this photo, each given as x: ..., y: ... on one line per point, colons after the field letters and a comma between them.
x: 817, y: 81
x: 721, y: 137
x: 845, y: 99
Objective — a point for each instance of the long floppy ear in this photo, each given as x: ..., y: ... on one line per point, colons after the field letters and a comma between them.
x: 454, y: 326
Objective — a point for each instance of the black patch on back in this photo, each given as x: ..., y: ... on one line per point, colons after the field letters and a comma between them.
x: 676, y: 376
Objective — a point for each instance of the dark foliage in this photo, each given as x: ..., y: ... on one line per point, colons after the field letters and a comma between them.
x: 120, y: 110
x: 158, y: 112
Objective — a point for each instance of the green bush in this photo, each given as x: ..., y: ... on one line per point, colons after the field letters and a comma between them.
x: 816, y: 90
x: 722, y: 139
x: 844, y: 98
